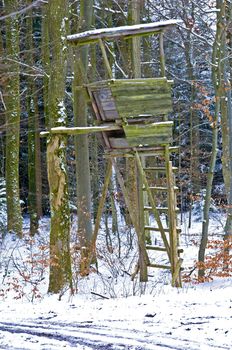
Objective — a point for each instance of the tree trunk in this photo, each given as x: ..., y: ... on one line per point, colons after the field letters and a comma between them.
x: 217, y: 57
x: 31, y: 109
x: 60, y: 260
x: 81, y: 141
x: 226, y: 116
x: 12, y: 100
x: 45, y: 59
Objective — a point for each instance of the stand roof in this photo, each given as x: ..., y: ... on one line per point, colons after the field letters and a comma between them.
x: 93, y: 36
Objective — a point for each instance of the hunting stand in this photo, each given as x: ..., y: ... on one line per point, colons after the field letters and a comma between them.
x: 131, y: 115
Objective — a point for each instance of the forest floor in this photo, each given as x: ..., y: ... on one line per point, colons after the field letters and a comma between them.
x: 109, y: 311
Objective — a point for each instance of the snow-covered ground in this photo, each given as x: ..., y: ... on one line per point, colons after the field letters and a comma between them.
x: 198, y: 317
x: 125, y: 314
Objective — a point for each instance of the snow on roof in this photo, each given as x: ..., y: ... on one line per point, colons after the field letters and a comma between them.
x: 92, y: 36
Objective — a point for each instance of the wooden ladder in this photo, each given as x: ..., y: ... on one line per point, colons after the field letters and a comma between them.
x: 151, y: 198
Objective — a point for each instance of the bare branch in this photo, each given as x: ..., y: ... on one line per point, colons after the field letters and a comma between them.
x: 36, y: 3
x: 2, y: 100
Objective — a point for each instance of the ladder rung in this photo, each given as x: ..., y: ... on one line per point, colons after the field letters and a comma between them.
x: 162, y: 249
x: 159, y: 169
x: 146, y: 151
x: 161, y: 209
x: 160, y: 188
x: 156, y: 229
x: 158, y: 266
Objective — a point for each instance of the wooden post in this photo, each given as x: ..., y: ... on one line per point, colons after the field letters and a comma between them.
x: 105, y: 58
x: 162, y: 56
x: 173, y: 239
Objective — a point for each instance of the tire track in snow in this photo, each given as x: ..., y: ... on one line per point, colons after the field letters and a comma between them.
x: 99, y: 337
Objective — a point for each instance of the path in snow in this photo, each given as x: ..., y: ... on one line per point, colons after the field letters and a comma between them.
x: 44, y: 334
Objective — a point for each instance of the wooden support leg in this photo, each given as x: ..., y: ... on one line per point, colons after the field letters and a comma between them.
x: 143, y: 267
x: 173, y: 237
x: 100, y: 209
x: 143, y: 256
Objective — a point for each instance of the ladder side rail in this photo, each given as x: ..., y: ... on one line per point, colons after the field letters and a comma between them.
x: 153, y: 205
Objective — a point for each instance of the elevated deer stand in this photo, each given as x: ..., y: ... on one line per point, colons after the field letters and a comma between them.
x: 131, y: 114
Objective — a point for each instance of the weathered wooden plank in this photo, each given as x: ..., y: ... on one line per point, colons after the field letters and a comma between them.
x: 81, y: 130
x: 142, y: 96
x: 120, y: 83
x: 124, y: 143
x: 139, y: 88
x: 136, y: 112
x: 92, y: 36
x: 140, y: 81
x: 104, y: 93
x: 150, y: 134
x: 148, y: 129
x: 127, y: 90
x: 150, y: 101
x: 118, y: 142
x: 135, y: 106
x: 96, y: 103
x: 111, y: 115
x: 108, y: 105
x: 149, y: 141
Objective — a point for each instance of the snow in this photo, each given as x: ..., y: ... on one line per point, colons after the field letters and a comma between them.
x: 138, y: 317
x: 198, y: 317
x: 119, y: 31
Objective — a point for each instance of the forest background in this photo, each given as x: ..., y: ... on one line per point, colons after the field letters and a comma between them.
x: 39, y: 73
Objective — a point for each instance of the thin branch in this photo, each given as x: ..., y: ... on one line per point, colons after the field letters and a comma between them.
x: 36, y: 3
x: 99, y: 295
x: 2, y: 100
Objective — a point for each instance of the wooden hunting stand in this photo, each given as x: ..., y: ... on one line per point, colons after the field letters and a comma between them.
x: 131, y: 115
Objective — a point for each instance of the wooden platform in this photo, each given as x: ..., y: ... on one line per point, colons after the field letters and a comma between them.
x: 133, y: 104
